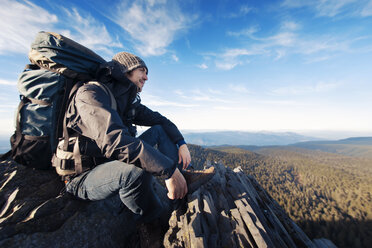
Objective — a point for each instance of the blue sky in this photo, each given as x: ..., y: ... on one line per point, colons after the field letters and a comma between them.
x: 285, y: 65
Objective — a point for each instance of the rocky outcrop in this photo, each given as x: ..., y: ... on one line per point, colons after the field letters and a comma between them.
x: 231, y: 210
x: 36, y: 213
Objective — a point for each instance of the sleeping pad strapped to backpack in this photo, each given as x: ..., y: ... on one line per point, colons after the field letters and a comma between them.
x: 58, y: 66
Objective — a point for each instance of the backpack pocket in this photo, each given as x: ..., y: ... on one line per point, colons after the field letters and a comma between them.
x: 31, y: 151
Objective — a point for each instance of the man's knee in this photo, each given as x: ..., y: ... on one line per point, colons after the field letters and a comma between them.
x: 137, y: 178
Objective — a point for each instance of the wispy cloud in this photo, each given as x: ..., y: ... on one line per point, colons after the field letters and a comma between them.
x: 242, y: 11
x: 203, y: 66
x: 27, y: 19
x: 156, y: 101
x: 153, y: 25
x: 7, y: 82
x: 197, y: 95
x: 231, y: 58
x: 332, y: 8
x: 304, y: 89
x: 89, y: 32
x: 240, y: 88
x: 367, y: 10
x: 206, y: 96
x: 289, y: 39
x: 248, y: 32
x: 175, y: 58
x: 290, y: 26
x: 225, y: 65
x: 20, y: 21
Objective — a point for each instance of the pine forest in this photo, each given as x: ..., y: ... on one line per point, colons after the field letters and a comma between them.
x: 328, y: 195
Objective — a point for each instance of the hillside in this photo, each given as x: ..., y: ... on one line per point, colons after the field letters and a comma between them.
x: 240, y: 137
x: 327, y: 194
x: 356, y: 147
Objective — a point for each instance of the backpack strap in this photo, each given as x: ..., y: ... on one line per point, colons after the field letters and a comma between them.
x: 62, y: 153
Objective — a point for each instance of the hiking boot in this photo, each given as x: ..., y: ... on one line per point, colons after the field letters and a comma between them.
x: 150, y: 234
x: 197, y: 178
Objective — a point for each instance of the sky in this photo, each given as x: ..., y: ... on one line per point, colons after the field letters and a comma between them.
x: 285, y: 65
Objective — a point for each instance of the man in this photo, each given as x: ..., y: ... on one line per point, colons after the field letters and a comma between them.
x: 124, y: 164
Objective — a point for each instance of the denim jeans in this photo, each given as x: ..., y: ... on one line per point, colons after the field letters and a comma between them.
x: 133, y: 184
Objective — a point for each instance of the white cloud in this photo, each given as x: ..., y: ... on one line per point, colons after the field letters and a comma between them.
x: 290, y: 26
x: 367, y: 10
x: 215, y: 92
x: 7, y: 82
x: 203, y: 66
x: 20, y: 21
x: 206, y: 96
x: 288, y: 41
x: 153, y: 25
x: 226, y: 66
x: 243, y: 10
x: 329, y: 8
x: 245, y: 32
x: 152, y: 100
x: 240, y: 88
x: 231, y: 57
x: 197, y: 95
x: 175, y: 58
x: 180, y: 93
x: 333, y: 7
x: 232, y: 53
x: 89, y: 32
x: 302, y: 89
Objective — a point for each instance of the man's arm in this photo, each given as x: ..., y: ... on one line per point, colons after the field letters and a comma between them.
x: 91, y: 115
x: 147, y: 117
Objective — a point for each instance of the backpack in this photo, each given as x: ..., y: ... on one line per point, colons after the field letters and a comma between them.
x: 58, y: 67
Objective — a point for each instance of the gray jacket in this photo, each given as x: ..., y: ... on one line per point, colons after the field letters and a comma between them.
x: 106, y: 132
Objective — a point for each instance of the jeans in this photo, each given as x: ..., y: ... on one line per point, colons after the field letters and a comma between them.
x: 133, y: 184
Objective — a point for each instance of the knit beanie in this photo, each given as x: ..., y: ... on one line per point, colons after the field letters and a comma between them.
x: 128, y: 62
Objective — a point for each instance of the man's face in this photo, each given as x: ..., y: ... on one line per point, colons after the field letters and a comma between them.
x: 138, y: 77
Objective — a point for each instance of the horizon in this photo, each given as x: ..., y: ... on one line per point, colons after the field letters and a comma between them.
x: 277, y: 66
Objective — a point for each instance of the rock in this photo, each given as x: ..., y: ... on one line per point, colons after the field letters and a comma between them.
x: 231, y: 210
x: 35, y: 212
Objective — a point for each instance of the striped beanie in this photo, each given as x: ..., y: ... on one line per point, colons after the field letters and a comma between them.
x: 128, y: 62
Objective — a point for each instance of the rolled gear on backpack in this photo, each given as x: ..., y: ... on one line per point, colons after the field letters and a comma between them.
x: 58, y: 63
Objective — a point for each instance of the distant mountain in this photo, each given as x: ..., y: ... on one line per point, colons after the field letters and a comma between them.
x: 355, y: 146
x: 245, y: 138
x: 348, y: 141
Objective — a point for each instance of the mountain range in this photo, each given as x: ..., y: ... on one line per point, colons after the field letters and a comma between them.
x: 354, y: 147
x: 245, y: 138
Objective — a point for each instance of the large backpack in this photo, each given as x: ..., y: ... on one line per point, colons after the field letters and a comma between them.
x: 58, y: 66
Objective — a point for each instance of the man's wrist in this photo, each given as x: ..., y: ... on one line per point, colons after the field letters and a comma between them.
x: 171, y: 172
x: 181, y: 142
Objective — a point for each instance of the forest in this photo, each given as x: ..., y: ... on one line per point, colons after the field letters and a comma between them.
x: 328, y: 195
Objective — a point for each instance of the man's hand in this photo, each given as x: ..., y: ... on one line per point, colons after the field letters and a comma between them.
x: 184, y: 156
x: 176, y: 185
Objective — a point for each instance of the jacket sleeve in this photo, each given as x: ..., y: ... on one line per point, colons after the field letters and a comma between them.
x: 91, y: 115
x: 147, y: 117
